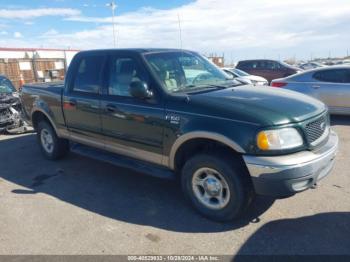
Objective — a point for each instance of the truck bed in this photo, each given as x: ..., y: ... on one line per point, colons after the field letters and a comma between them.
x: 48, y: 96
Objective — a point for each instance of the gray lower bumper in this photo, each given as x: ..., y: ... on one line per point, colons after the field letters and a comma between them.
x: 289, y: 174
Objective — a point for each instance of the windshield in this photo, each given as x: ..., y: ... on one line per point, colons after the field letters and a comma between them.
x: 289, y: 66
x: 240, y: 72
x: 187, y: 72
x: 6, y: 86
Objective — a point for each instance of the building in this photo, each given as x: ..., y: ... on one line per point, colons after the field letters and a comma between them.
x: 217, y: 60
x: 29, y: 65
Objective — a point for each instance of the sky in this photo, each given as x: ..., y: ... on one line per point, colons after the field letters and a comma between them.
x: 277, y: 29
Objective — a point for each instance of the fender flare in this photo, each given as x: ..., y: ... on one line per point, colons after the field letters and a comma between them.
x: 37, y: 109
x: 201, y: 134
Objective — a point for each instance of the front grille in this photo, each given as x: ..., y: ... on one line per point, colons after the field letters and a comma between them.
x: 315, y: 129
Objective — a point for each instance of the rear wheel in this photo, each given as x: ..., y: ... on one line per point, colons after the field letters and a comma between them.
x: 51, y: 145
x: 218, y: 187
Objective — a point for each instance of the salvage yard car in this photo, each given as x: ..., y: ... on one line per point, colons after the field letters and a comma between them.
x: 245, y: 77
x: 10, y: 108
x: 269, y: 69
x: 225, y: 142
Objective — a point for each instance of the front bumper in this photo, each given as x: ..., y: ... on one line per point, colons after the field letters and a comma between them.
x: 286, y: 175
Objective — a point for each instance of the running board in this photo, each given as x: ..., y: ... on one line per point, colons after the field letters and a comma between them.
x: 123, y: 161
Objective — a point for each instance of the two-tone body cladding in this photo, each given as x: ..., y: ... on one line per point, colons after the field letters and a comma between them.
x: 172, y: 113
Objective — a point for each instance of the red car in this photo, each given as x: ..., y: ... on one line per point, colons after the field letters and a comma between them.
x: 269, y: 69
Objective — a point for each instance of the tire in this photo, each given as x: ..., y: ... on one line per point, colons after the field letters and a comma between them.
x: 59, y: 147
x: 226, y: 201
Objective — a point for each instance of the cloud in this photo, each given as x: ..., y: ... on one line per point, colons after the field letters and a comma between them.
x: 3, y: 33
x: 17, y: 35
x: 35, y: 13
x: 51, y: 33
x: 243, y: 29
x: 220, y: 25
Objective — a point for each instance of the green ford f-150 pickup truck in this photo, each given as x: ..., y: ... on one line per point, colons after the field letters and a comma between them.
x: 172, y: 113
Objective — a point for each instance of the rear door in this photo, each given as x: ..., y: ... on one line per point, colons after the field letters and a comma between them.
x: 274, y: 70
x: 332, y: 86
x: 265, y: 68
x: 81, y: 101
x: 131, y: 126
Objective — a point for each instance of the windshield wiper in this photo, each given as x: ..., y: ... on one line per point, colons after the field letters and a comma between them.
x: 197, y: 88
x: 206, y: 86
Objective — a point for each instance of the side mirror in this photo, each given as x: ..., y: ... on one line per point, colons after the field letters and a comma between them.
x: 139, y: 89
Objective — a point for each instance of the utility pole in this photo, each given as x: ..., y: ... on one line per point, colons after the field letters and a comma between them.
x: 113, y: 6
x: 180, y: 30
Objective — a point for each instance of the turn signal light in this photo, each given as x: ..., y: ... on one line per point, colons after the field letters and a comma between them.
x: 263, y: 141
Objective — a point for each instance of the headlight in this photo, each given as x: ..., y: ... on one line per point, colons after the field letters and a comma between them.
x: 279, y: 139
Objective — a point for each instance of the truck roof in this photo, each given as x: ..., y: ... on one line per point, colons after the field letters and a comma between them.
x: 136, y: 50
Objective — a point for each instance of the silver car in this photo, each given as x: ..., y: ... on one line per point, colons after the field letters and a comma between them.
x: 328, y: 84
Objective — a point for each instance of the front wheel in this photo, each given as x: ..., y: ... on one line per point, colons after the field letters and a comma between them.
x: 51, y: 145
x: 218, y: 187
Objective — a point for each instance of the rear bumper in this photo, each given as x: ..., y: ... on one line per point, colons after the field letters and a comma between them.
x: 286, y: 175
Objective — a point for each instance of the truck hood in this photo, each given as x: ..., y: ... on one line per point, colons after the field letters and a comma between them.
x: 260, y: 105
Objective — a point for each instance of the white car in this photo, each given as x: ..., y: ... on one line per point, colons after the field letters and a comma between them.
x: 245, y: 77
x: 310, y: 65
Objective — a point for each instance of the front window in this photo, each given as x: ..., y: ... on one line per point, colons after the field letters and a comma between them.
x: 187, y: 72
x: 6, y: 86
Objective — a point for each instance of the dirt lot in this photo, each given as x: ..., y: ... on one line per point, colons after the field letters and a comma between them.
x: 81, y: 206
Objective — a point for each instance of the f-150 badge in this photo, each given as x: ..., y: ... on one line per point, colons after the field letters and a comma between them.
x: 174, y: 119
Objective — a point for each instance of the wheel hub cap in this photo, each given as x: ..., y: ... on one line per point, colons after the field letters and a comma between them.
x: 46, y: 140
x: 212, y: 186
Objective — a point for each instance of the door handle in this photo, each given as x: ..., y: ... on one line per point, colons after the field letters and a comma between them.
x: 111, y: 108
x: 316, y: 86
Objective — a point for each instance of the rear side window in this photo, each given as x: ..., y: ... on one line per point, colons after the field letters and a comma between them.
x: 268, y: 65
x: 333, y: 75
x: 88, y: 76
x: 272, y: 65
